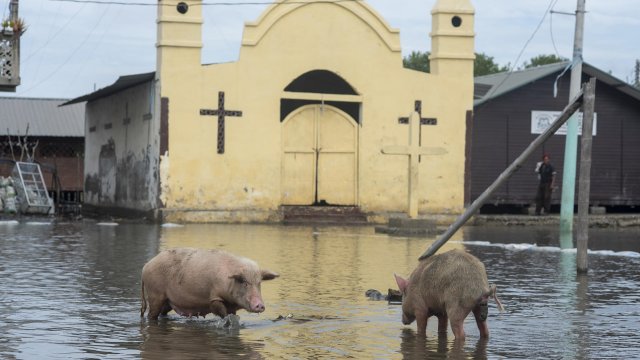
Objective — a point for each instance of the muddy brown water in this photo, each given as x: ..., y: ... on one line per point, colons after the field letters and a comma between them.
x: 72, y: 291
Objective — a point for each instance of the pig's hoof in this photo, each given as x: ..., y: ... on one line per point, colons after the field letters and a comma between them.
x: 230, y: 321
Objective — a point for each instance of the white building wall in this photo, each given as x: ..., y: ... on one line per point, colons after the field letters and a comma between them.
x: 122, y: 150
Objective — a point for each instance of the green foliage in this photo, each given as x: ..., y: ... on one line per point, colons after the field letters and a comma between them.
x: 417, y: 60
x: 543, y: 60
x: 485, y: 65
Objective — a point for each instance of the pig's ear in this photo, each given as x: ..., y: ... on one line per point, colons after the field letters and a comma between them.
x: 402, y: 283
x: 269, y: 275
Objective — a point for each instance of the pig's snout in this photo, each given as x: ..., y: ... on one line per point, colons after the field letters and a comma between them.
x: 407, y: 319
x: 257, y: 306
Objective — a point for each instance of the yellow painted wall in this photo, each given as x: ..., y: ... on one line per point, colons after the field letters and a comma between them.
x: 288, y: 40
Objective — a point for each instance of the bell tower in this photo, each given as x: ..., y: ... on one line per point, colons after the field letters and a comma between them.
x: 179, y: 44
x: 452, y: 60
x: 452, y: 38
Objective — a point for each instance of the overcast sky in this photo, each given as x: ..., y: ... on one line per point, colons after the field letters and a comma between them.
x: 72, y: 48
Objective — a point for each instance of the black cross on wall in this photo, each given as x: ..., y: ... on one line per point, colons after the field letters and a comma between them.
x: 423, y: 121
x: 220, y: 112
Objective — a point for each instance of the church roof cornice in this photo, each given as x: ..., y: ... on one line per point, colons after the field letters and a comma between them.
x: 255, y: 31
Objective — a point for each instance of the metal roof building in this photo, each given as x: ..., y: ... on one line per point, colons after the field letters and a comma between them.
x: 511, y: 108
x: 492, y: 86
x: 55, y: 140
x: 45, y: 117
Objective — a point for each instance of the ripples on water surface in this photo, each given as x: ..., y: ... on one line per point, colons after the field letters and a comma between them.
x: 72, y: 291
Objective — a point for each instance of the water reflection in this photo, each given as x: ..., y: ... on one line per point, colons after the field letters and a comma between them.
x: 193, y: 339
x: 72, y: 291
x: 414, y: 346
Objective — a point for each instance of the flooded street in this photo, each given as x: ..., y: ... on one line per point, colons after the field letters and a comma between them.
x: 72, y: 291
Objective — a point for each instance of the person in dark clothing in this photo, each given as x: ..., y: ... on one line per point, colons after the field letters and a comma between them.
x: 547, y: 176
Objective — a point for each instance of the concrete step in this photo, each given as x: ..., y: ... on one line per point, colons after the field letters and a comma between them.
x: 338, y: 215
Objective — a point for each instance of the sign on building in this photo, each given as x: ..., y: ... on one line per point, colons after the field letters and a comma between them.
x: 541, y: 120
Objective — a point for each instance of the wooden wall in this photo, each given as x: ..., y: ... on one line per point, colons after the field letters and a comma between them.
x: 502, y: 130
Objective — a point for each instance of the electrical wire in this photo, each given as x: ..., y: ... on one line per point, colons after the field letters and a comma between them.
x: 56, y: 34
x: 95, y: 47
x: 50, y: 32
x: 97, y: 2
x: 70, y: 55
x: 526, y: 44
x: 553, y: 40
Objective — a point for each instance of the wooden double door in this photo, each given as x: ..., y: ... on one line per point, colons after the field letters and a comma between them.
x: 319, y: 159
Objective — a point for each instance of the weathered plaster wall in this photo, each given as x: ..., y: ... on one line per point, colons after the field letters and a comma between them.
x: 348, y: 39
x: 121, y: 160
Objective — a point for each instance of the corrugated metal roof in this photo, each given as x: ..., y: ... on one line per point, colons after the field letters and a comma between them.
x: 123, y: 82
x: 45, y: 117
x: 502, y: 83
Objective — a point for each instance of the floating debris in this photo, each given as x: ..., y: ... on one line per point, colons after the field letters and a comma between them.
x: 394, y: 297
x: 171, y: 225
x: 301, y: 319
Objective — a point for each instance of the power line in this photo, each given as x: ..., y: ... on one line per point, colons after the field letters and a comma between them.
x: 42, y: 47
x: 95, y: 46
x: 70, y: 56
x: 494, y: 89
x: 123, y: 3
x: 553, y: 40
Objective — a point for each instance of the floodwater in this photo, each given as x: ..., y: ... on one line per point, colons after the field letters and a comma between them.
x: 72, y: 291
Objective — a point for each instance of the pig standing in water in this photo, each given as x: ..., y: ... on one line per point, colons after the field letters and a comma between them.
x: 196, y: 282
x: 448, y: 286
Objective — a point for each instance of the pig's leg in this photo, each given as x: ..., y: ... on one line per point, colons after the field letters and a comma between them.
x: 442, y: 324
x: 480, y: 313
x: 143, y: 305
x: 166, y: 307
x: 421, y: 321
x: 217, y: 307
x: 456, y: 318
x: 156, y: 306
x: 457, y: 328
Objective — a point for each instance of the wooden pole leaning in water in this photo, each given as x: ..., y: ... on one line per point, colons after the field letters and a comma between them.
x: 584, y: 181
x: 515, y: 165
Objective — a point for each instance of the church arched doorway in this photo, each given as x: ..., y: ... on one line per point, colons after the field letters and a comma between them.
x: 319, y: 156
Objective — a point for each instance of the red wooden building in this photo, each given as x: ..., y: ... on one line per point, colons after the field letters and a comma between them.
x: 54, y: 139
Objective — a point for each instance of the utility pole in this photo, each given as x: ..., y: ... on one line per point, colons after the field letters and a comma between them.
x: 584, y: 183
x: 571, y: 144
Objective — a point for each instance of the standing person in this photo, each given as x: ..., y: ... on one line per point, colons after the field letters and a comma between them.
x: 547, y: 176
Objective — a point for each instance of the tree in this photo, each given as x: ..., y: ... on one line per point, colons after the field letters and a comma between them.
x: 483, y: 65
x: 417, y: 61
x: 543, y: 60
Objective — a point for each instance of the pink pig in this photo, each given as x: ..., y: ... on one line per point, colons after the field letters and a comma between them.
x: 196, y: 282
x: 448, y: 286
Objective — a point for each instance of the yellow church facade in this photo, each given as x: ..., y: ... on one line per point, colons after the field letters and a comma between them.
x: 318, y: 110
x: 304, y: 115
